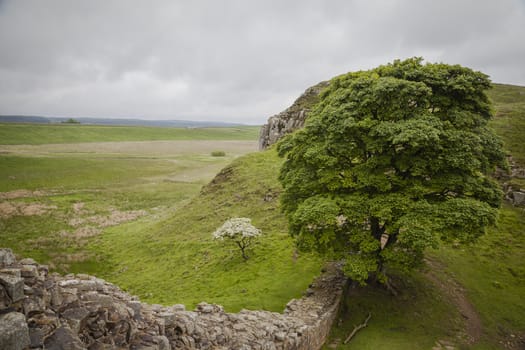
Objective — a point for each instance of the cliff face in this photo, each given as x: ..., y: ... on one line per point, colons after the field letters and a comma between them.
x: 47, y: 311
x: 290, y: 119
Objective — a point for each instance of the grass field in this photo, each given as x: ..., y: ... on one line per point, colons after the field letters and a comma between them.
x: 39, y: 134
x: 55, y: 198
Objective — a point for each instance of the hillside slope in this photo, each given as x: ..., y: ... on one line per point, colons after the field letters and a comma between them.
x: 179, y: 262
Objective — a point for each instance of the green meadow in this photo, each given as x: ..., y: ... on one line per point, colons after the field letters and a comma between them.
x: 55, y: 198
x: 38, y: 134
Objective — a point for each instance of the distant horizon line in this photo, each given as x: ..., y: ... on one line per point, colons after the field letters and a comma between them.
x: 114, y: 120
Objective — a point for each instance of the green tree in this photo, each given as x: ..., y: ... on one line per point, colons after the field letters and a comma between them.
x: 391, y: 161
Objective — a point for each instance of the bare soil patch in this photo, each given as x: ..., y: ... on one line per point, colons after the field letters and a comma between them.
x: 81, y: 232
x: 78, y: 208
x: 9, y: 209
x: 24, y: 194
x: 115, y: 217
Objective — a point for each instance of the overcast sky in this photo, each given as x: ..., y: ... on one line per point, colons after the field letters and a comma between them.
x: 237, y: 61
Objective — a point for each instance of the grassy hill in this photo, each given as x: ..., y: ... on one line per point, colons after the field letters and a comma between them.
x: 509, y: 121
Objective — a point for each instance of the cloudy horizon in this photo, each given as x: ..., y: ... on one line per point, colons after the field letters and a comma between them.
x: 233, y: 61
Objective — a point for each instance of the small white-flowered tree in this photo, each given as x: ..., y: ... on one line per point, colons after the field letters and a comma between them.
x: 240, y: 231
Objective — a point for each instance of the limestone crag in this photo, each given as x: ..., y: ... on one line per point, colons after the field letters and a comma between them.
x: 48, y: 311
x: 292, y: 118
x: 513, y: 194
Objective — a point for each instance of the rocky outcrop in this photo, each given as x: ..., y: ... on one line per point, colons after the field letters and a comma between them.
x: 292, y: 118
x: 48, y: 311
x: 513, y: 193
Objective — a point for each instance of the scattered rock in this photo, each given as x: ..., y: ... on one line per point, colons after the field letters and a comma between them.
x: 518, y: 197
x: 7, y: 257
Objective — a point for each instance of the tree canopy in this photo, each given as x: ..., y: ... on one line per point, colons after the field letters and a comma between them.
x: 391, y: 161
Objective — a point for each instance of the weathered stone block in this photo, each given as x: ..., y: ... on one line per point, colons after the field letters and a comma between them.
x: 518, y: 198
x: 29, y: 271
x: 28, y: 261
x: 32, y: 305
x: 75, y: 317
x: 69, y: 295
x: 13, y: 285
x: 36, y: 337
x: 7, y: 257
x: 14, y: 334
x: 63, y: 338
x: 11, y: 271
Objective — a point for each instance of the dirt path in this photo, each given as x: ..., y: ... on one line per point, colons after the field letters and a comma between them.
x: 456, y: 293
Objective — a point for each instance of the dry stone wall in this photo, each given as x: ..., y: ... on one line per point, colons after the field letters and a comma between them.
x: 39, y: 310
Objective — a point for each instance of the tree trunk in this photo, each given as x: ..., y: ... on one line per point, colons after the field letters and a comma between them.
x: 242, y: 245
x: 375, y: 228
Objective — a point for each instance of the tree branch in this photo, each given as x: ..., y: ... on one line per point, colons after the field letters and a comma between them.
x: 358, y: 328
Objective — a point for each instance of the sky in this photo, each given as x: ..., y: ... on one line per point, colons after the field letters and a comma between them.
x: 235, y: 61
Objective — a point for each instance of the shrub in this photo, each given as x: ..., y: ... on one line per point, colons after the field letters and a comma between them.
x: 218, y: 154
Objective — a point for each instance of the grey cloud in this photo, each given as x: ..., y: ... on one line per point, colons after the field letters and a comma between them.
x: 231, y: 60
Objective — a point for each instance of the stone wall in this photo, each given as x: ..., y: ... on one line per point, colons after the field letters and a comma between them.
x: 290, y: 119
x: 41, y: 310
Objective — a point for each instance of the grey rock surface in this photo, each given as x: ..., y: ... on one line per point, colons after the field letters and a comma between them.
x: 290, y: 119
x: 14, y: 334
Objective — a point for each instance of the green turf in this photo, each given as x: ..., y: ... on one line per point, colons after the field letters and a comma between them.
x: 73, y: 173
x: 37, y: 134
